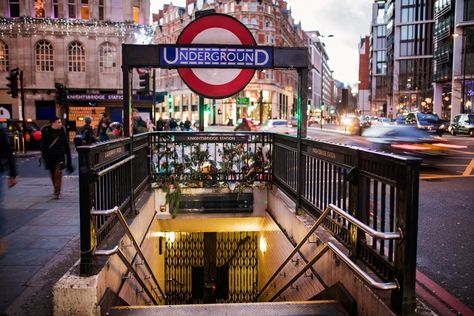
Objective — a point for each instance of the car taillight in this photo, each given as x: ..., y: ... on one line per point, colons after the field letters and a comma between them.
x: 450, y: 146
x: 410, y: 147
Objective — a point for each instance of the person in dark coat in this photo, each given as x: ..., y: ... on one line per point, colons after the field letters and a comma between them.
x: 139, y: 125
x: 102, y: 128
x: 7, y: 159
x: 160, y: 124
x: 87, y: 131
x: 55, y: 152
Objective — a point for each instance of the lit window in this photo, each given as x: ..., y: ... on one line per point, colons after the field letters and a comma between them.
x: 44, y: 56
x: 39, y: 8
x: 136, y: 14
x: 85, y: 9
x: 14, y: 8
x: 107, y: 58
x: 3, y: 57
x: 76, y: 57
x: 72, y: 9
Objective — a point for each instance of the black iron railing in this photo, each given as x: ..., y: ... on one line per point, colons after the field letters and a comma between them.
x: 110, y: 174
x: 211, y: 159
x: 378, y: 189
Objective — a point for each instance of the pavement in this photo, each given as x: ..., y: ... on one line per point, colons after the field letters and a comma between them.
x: 42, y: 238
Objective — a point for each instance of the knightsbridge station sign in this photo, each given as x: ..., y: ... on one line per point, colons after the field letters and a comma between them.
x: 215, y: 57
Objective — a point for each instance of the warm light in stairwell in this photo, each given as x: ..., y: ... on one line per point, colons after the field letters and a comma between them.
x: 263, y: 245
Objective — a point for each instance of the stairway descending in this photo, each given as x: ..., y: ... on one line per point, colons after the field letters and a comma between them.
x: 271, y: 309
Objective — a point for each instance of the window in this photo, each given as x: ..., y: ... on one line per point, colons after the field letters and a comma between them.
x: 76, y: 57
x: 381, y: 59
x: 44, y: 56
x: 408, y: 14
x: 101, y: 10
x: 14, y: 8
x: 253, y: 6
x: 136, y: 11
x: 85, y: 9
x: 55, y: 9
x: 406, y: 32
x: 107, y: 58
x: 71, y: 7
x: 39, y: 8
x: 3, y: 57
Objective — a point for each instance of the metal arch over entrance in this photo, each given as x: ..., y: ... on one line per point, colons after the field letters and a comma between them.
x: 234, y: 54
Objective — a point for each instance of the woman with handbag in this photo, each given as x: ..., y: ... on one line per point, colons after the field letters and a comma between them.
x: 54, y: 148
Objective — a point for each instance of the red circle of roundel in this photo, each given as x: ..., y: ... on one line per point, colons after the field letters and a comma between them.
x: 240, y: 31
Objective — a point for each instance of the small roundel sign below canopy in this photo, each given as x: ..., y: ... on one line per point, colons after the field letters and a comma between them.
x: 220, y: 37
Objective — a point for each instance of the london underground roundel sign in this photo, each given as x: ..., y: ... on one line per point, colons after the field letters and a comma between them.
x: 217, y: 29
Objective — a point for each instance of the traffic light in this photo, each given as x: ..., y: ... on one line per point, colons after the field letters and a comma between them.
x: 170, y: 103
x: 144, y: 83
x: 13, y: 83
x: 60, y: 93
x: 322, y: 106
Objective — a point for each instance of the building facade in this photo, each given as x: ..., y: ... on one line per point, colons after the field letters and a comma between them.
x: 272, y: 92
x: 70, y: 54
x: 364, y: 77
x: 410, y: 27
x: 320, y: 94
x: 378, y: 60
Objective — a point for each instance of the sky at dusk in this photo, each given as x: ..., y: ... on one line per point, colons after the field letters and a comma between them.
x: 346, y: 20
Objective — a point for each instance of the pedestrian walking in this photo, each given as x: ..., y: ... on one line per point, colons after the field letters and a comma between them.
x: 102, y: 128
x: 139, y: 125
x: 55, y: 152
x: 7, y: 160
x: 160, y: 124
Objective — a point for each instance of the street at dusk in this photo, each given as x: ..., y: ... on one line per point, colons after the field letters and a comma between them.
x: 236, y: 157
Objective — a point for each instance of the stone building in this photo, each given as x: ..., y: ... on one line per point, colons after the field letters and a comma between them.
x: 70, y: 54
x: 272, y: 91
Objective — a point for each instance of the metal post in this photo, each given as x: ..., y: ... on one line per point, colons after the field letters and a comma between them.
x: 301, y: 132
x: 127, y: 104
x: 153, y: 112
x: 260, y: 101
x: 87, y: 201
x: 22, y: 93
x: 404, y: 300
x: 463, y: 110
x: 201, y: 113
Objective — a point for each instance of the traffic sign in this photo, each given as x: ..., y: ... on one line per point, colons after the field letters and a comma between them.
x: 216, y: 29
x: 243, y: 101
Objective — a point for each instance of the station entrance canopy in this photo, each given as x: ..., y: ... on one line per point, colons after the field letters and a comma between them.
x: 216, y: 56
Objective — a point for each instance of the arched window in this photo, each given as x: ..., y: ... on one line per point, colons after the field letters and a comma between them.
x: 107, y: 58
x: 44, y: 56
x: 76, y: 57
x: 3, y: 57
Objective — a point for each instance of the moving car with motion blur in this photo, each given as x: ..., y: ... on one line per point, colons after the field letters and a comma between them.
x: 407, y: 140
x: 278, y: 126
x: 351, y: 124
x: 462, y: 124
x: 427, y: 121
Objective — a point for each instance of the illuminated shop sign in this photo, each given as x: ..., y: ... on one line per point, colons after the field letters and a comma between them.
x: 215, y: 57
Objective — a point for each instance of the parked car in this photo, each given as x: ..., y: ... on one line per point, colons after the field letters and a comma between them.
x: 462, y: 124
x: 427, y: 121
x: 277, y: 126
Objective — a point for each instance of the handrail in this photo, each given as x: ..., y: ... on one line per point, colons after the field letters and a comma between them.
x: 124, y: 224
x: 116, y: 250
x: 367, y: 229
x: 114, y: 166
x: 320, y: 253
x: 301, y: 243
x: 362, y: 274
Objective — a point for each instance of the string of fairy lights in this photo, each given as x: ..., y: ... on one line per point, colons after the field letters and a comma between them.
x: 29, y: 26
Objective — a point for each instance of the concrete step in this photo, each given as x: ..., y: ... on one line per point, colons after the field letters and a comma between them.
x: 273, y: 309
